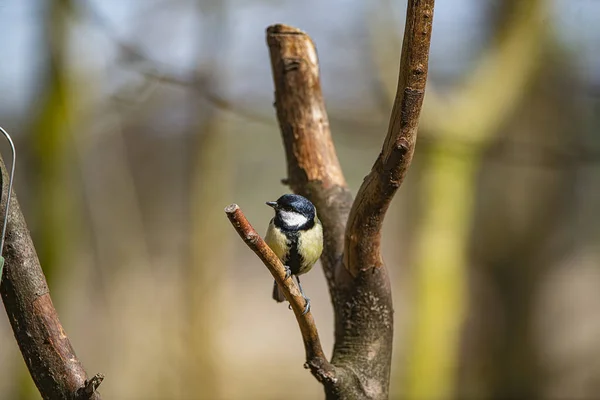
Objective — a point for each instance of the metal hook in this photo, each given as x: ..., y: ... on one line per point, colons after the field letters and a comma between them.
x: 10, y: 184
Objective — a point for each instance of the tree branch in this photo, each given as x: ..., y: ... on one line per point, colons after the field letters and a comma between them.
x: 363, y: 232
x: 312, y: 164
x: 360, y: 293
x: 47, y: 351
x: 315, y: 358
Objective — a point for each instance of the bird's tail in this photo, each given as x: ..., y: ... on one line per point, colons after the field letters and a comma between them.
x: 277, y: 293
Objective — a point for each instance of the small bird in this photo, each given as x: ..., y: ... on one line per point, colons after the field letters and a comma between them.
x: 295, y: 235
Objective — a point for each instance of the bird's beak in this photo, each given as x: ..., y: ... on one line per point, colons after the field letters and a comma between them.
x: 272, y: 204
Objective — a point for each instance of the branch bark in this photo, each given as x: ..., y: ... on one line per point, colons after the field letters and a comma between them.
x: 315, y: 358
x: 363, y: 233
x: 313, y: 168
x: 358, y: 281
x: 50, y: 358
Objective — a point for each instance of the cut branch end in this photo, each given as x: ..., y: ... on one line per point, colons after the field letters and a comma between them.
x: 90, y: 387
x: 230, y: 209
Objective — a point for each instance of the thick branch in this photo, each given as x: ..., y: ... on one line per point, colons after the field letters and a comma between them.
x: 363, y: 339
x: 47, y: 351
x: 363, y: 232
x: 312, y: 164
x: 362, y: 300
x: 315, y: 359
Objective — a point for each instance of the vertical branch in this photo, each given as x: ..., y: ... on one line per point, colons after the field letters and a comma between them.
x: 47, y: 351
x: 363, y: 232
x: 313, y: 167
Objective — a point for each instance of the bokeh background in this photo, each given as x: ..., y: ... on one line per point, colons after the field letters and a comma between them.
x: 137, y: 122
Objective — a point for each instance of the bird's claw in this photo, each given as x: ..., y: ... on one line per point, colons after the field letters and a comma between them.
x: 307, y: 306
x: 288, y: 272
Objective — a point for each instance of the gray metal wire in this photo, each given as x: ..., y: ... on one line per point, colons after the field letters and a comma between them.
x: 10, y: 185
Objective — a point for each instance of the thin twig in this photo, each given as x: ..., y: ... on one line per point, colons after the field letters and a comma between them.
x: 363, y: 231
x: 315, y: 358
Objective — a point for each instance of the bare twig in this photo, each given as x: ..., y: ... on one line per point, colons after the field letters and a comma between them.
x: 363, y: 231
x: 160, y: 72
x: 315, y: 358
x: 52, y: 363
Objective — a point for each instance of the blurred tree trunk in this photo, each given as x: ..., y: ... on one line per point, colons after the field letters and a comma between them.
x: 51, y: 144
x: 54, y: 207
x: 210, y: 186
x: 204, y: 283
x: 459, y: 136
x: 514, y: 241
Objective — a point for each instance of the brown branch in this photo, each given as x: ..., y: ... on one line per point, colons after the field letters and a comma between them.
x: 315, y: 358
x: 362, y: 301
x: 312, y: 164
x: 362, y: 343
x: 46, y: 349
x: 363, y: 232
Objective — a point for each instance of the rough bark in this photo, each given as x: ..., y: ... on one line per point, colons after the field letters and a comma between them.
x: 363, y: 233
x: 357, y: 278
x: 50, y: 358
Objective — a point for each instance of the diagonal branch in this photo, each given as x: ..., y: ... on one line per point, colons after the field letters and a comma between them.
x: 315, y: 358
x: 363, y: 232
x: 52, y: 363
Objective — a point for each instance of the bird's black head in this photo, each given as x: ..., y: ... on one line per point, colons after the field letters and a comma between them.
x: 293, y: 211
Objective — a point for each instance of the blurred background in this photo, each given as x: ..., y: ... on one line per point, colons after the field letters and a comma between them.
x: 137, y: 122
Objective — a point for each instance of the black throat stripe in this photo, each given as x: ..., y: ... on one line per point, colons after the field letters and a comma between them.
x: 294, y: 259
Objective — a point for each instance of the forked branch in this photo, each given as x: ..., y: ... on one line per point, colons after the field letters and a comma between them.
x: 315, y: 359
x: 362, y: 300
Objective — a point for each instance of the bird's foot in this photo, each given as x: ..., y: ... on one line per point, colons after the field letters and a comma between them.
x: 288, y: 272
x: 307, y: 306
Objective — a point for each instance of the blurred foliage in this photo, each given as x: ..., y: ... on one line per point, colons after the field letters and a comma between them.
x: 491, y: 94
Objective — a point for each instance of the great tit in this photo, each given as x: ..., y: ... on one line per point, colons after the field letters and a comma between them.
x: 295, y: 235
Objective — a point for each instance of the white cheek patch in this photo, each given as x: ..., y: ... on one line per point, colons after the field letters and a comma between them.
x: 291, y: 218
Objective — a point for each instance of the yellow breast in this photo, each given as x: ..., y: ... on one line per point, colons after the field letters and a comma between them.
x: 311, y: 246
x: 277, y: 241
